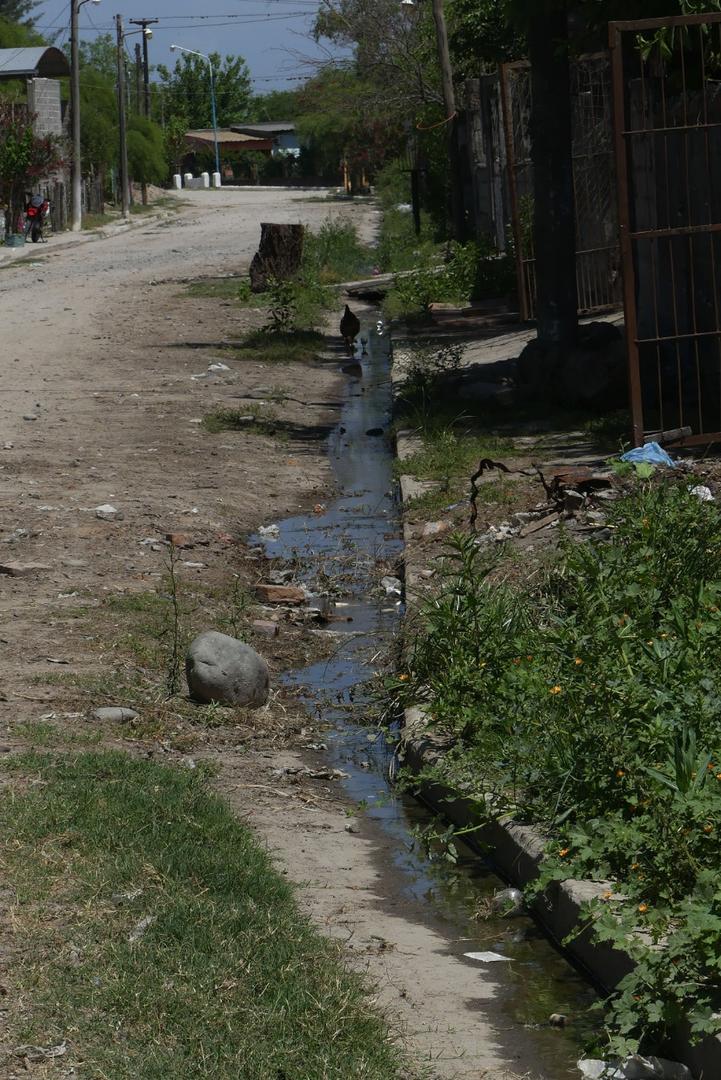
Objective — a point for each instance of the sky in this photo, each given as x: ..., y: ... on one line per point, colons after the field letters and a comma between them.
x: 271, y: 35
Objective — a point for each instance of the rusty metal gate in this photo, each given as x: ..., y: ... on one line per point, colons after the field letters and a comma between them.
x: 667, y: 113
x: 598, y: 270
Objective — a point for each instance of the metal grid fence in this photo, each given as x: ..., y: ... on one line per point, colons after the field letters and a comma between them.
x: 597, y: 249
x: 667, y: 103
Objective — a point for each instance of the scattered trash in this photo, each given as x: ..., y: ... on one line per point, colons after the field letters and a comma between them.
x: 41, y: 1053
x: 218, y: 366
x: 316, y: 746
x: 702, y: 492
x: 635, y: 1067
x: 8, y: 445
x: 558, y: 1020
x: 140, y: 928
x: 120, y: 898
x: 392, y: 585
x: 507, y: 901
x: 115, y: 714
x: 486, y: 957
x: 650, y: 454
x: 55, y: 660
x: 269, y: 532
x: 350, y: 828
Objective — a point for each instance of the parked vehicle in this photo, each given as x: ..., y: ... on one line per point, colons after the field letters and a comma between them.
x: 37, y: 213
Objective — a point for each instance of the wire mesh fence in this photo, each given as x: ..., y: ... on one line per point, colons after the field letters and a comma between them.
x: 597, y: 249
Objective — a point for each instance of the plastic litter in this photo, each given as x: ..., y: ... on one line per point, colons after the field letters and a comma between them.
x: 635, y: 1067
x: 702, y: 492
x: 650, y: 454
x: 269, y: 532
x: 486, y: 957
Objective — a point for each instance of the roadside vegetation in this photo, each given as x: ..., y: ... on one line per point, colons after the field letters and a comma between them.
x: 432, y: 268
x: 586, y: 702
x: 174, y: 933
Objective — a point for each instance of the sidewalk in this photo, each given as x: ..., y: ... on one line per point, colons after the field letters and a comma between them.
x: 61, y: 241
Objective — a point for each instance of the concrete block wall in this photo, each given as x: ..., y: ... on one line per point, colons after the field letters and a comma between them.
x: 44, y: 101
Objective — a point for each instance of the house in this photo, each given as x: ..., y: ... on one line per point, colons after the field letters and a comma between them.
x: 40, y: 67
x: 231, y: 146
x: 281, y: 133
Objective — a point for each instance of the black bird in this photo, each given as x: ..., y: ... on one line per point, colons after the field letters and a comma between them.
x: 349, y: 328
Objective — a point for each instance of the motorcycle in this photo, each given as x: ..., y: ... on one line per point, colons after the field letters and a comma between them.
x: 37, y: 213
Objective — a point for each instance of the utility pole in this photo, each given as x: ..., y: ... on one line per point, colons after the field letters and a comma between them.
x: 147, y: 34
x: 76, y: 163
x: 121, y: 117
x: 138, y: 79
x: 144, y: 24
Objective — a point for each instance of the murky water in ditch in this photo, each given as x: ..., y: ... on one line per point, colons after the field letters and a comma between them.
x: 341, y: 547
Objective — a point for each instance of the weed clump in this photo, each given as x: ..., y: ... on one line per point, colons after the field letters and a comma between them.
x: 590, y: 706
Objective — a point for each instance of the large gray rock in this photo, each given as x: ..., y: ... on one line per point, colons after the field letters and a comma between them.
x: 222, y: 669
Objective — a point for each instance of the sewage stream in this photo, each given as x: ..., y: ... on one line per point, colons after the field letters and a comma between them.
x: 340, y: 549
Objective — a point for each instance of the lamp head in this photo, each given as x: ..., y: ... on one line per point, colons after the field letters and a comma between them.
x: 173, y: 48
x: 147, y: 32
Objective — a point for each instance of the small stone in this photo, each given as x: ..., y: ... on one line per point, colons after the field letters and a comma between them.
x: 115, y: 714
x: 30, y: 416
x: 558, y: 1020
x: 179, y: 540
x: 280, y: 594
x: 108, y: 512
x: 268, y: 629
x: 573, y: 500
x: 374, y: 432
x: 435, y: 528
x: 221, y: 669
x: 13, y: 569
x: 8, y: 445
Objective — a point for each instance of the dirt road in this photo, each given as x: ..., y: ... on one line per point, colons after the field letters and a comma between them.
x: 100, y: 408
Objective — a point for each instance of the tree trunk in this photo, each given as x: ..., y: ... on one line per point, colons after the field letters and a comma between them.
x: 554, y: 225
x: 279, y: 255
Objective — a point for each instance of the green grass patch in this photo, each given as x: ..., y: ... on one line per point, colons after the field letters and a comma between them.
x: 291, y: 347
x: 335, y: 253
x: 589, y: 704
x: 153, y: 914
x: 96, y: 221
x: 254, y: 420
x: 447, y: 454
x: 225, y: 288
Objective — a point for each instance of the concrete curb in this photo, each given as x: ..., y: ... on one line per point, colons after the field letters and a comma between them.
x: 515, y: 850
x: 103, y: 232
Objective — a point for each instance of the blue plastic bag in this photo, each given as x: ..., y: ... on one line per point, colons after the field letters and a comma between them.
x: 650, y: 454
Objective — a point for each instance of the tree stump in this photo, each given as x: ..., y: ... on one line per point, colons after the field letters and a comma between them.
x: 279, y: 254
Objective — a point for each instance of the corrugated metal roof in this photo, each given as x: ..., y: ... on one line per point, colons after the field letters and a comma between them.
x: 225, y: 135
x: 266, y: 127
x: 45, y: 62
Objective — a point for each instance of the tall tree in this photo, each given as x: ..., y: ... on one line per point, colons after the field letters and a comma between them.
x: 186, y: 89
x: 17, y: 11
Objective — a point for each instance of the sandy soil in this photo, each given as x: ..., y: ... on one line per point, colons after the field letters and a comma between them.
x: 99, y: 407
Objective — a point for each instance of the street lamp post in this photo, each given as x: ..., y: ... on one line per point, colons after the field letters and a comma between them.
x: 192, y: 52
x: 76, y: 168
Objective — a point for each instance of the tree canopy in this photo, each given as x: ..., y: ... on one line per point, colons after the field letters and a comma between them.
x: 186, y: 89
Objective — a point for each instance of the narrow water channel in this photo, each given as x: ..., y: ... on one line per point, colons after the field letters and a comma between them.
x: 341, y: 548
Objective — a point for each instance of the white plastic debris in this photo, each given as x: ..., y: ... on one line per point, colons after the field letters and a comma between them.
x: 269, y: 532
x: 486, y: 957
x: 392, y: 586
x: 508, y: 901
x: 702, y: 492
x: 139, y: 929
x: 218, y: 366
x: 635, y: 1067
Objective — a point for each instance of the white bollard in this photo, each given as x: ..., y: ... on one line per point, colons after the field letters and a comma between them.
x: 216, y: 179
x: 188, y: 176
x: 177, y: 181
x: 206, y: 179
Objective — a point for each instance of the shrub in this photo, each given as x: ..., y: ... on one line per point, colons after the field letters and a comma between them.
x: 591, y: 706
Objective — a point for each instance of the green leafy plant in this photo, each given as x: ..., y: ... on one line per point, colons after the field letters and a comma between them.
x: 590, y: 706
